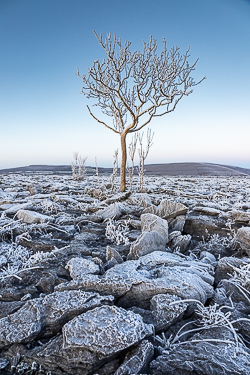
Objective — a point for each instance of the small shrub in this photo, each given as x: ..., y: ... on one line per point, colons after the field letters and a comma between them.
x: 117, y: 232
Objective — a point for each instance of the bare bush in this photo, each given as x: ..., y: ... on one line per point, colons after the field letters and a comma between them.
x: 142, y: 157
x: 132, y: 149
x: 78, y: 167
x: 115, y: 169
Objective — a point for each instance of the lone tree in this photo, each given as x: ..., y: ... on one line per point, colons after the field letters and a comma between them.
x: 133, y: 87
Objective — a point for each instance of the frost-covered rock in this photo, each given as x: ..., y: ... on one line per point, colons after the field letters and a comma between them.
x: 91, y: 340
x: 151, y: 222
x: 164, y: 314
x: 241, y: 216
x: 206, y: 256
x: 227, y: 265
x: 205, y: 353
x: 105, y: 330
x: 46, y: 315
x: 207, y: 211
x: 200, y: 226
x: 64, y: 199
x: 137, y: 359
x: 112, y: 253
x: 243, y: 234
x: 32, y: 217
x: 79, y: 267
x: 137, y: 281
x: 7, y: 308
x: 78, y: 245
x: 176, y: 281
x: 113, y: 211
x: 119, y: 197
x: 165, y: 310
x: 140, y: 199
x: 32, y: 189
x: 169, y: 209
x: 13, y: 209
x: 7, y: 197
x: 176, y: 223
x: 153, y: 286
x: 146, y: 243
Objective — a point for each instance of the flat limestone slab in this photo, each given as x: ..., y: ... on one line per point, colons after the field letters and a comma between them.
x: 32, y: 217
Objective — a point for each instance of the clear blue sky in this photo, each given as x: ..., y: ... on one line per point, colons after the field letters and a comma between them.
x: 43, y: 116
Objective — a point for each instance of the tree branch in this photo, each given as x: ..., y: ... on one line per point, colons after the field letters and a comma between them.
x: 101, y: 122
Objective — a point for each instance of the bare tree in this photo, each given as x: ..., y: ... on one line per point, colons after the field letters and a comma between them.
x: 134, y: 87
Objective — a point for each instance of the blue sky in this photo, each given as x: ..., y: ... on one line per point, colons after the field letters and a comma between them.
x: 43, y: 116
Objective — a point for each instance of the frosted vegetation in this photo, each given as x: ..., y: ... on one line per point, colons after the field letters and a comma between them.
x: 170, y: 254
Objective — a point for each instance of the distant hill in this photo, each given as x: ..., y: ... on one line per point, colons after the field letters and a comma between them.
x: 195, y: 169
x: 167, y: 169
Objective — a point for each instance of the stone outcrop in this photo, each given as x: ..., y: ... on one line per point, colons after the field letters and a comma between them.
x: 166, y: 291
x: 45, y: 316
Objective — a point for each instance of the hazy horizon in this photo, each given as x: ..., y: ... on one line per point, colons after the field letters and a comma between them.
x: 44, y: 119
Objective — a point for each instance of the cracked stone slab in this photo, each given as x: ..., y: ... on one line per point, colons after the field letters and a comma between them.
x: 105, y: 330
x: 13, y: 209
x: 46, y: 315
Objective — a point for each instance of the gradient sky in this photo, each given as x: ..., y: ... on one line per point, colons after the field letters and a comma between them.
x: 43, y: 116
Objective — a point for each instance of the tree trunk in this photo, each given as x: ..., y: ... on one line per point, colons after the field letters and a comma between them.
x: 123, y: 163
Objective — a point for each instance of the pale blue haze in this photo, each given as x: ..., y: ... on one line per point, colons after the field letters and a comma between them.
x: 44, y: 119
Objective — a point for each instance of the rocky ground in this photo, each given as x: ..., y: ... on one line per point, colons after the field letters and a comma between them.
x: 93, y: 281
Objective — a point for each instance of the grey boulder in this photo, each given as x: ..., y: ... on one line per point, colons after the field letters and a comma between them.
x: 243, y: 235
x: 105, y: 330
x: 32, y: 217
x: 146, y: 243
x: 78, y: 267
x: 113, y: 211
x: 151, y: 222
x: 168, y: 209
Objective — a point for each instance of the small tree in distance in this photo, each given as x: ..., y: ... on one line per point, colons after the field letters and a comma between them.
x: 133, y: 87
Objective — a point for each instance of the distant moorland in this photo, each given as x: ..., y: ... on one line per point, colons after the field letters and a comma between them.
x: 167, y: 169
